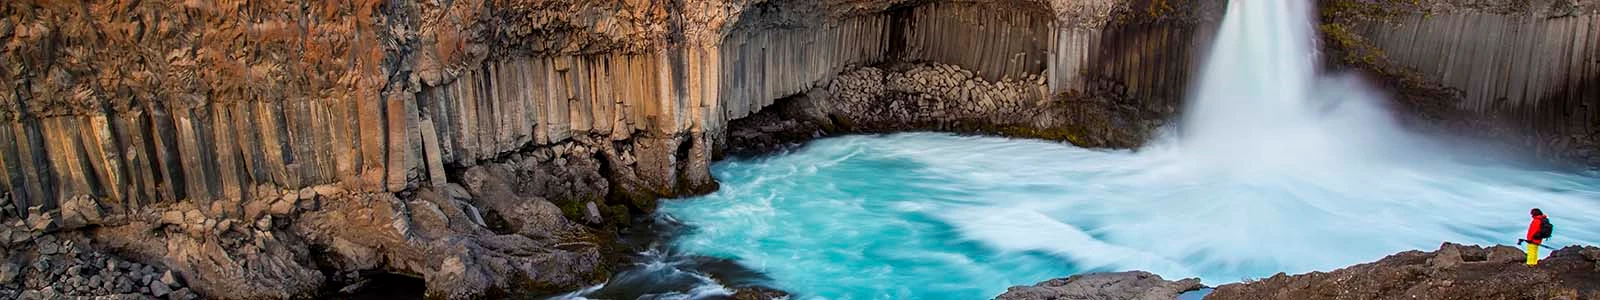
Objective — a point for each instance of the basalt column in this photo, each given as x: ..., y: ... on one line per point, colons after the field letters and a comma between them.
x: 1530, y: 69
x: 996, y: 39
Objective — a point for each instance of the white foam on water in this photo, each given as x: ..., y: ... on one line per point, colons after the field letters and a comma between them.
x: 919, y: 215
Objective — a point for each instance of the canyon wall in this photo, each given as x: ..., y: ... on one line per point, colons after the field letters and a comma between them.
x: 996, y: 39
x: 1528, y: 72
x: 776, y: 51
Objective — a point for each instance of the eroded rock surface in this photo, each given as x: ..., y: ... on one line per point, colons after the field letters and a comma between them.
x: 944, y: 97
x: 1452, y: 272
x: 1130, y: 285
x: 1520, y: 73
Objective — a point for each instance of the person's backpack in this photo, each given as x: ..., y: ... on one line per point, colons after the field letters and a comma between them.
x: 1544, y: 230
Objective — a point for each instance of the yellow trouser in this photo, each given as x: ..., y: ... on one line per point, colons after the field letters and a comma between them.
x: 1533, y: 254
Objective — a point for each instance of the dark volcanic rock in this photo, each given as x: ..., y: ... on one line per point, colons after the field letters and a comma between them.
x: 758, y: 293
x: 1452, y: 272
x: 948, y: 98
x: 1134, y: 285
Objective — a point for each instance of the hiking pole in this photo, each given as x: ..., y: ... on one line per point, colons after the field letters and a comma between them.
x: 1520, y: 241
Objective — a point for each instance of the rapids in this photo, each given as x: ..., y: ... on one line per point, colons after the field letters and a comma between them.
x: 939, y: 216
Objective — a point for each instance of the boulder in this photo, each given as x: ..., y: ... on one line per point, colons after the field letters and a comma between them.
x: 194, y: 216
x: 48, y: 248
x: 169, y: 278
x: 40, y: 220
x: 758, y: 293
x: 282, y: 207
x: 159, y: 289
x: 9, y: 272
x: 1505, y: 254
x: 328, y: 190
x: 592, y: 213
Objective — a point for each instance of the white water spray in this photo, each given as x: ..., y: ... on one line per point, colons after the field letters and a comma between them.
x: 1259, y: 73
x: 1261, y: 105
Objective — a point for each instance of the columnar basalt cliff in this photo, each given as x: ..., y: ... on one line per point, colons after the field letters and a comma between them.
x: 491, y: 147
x: 1522, y: 72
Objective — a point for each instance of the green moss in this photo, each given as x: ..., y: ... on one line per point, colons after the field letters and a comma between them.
x: 1074, y: 136
x: 1358, y: 52
x: 575, y: 210
x: 1422, y: 97
x: 1159, y: 8
x: 1341, y: 11
x: 843, y: 123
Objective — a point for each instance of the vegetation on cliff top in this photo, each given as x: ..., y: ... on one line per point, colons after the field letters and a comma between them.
x: 1346, y: 48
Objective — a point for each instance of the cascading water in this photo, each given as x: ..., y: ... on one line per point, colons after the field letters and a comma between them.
x: 1257, y: 79
x: 1261, y: 106
x: 1275, y: 169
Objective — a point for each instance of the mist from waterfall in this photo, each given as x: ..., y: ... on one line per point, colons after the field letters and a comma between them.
x: 1261, y: 105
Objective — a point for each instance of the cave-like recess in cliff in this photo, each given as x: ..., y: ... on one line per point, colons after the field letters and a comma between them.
x: 782, y: 48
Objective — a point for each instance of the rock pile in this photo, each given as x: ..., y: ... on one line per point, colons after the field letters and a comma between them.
x: 67, y: 269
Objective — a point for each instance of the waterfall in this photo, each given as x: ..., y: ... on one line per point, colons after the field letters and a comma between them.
x: 1260, y: 102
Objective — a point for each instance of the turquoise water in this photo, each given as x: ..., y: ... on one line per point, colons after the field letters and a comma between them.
x: 940, y: 216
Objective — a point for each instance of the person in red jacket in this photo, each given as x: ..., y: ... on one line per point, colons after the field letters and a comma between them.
x: 1533, y: 238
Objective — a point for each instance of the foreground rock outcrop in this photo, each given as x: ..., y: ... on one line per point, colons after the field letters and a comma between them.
x: 1452, y: 272
x: 1131, y: 285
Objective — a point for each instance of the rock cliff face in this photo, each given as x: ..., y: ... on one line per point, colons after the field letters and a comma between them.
x: 1525, y: 72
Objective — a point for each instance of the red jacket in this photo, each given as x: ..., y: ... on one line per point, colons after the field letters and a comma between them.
x: 1533, y: 228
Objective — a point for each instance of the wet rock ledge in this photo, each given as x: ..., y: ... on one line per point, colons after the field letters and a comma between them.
x: 1452, y: 272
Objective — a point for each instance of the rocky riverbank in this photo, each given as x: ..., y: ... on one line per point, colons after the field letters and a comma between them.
x: 1452, y: 272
